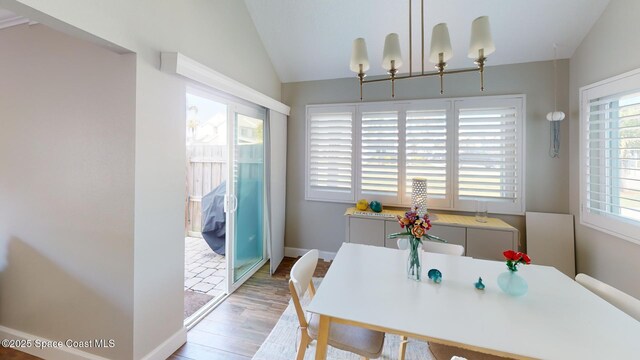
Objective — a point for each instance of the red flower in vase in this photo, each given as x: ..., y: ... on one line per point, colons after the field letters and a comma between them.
x: 515, y: 258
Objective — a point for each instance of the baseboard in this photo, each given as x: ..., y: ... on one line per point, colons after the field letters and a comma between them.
x: 168, y: 346
x: 49, y: 353
x: 162, y: 352
x: 295, y: 252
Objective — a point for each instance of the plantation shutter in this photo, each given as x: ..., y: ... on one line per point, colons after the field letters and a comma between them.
x: 379, y: 155
x: 489, y: 151
x: 613, y: 156
x: 330, y: 153
x: 426, y: 151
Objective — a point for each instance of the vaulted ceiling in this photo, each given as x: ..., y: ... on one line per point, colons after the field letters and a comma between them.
x: 311, y: 39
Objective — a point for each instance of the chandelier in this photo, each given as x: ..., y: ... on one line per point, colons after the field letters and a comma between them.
x: 481, y: 46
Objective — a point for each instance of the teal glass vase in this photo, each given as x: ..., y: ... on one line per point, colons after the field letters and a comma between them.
x: 512, y: 283
x: 414, y: 268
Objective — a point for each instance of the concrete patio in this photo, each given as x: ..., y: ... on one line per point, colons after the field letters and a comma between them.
x: 205, y: 271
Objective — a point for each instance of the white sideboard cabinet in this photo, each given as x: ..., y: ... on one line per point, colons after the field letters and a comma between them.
x: 480, y: 240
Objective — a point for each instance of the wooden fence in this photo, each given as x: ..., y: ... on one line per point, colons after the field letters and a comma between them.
x: 207, y: 168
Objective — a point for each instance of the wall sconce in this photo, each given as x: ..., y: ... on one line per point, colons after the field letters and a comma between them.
x: 555, y: 117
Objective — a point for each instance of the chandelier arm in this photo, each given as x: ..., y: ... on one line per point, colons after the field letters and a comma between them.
x: 427, y: 74
x: 422, y: 25
x: 480, y: 61
x: 555, y: 77
x: 441, y: 66
x: 410, y: 43
x: 393, y: 87
x: 393, y: 73
x: 361, y: 76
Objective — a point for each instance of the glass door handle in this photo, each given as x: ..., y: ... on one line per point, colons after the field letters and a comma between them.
x: 230, y: 203
x: 234, y: 200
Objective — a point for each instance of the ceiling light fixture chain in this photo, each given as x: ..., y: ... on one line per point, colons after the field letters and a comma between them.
x: 481, y: 46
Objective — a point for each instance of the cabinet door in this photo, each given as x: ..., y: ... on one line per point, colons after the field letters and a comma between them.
x: 488, y: 244
x: 453, y: 234
x: 391, y: 227
x: 366, y: 231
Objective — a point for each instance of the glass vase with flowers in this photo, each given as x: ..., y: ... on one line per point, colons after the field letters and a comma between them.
x: 415, y: 230
x: 510, y: 282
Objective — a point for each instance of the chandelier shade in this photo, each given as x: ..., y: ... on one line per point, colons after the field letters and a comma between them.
x: 392, y: 56
x: 481, y: 39
x: 440, y: 44
x: 359, y: 56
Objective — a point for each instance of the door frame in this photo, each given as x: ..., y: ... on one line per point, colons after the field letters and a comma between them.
x: 257, y: 112
x: 235, y: 105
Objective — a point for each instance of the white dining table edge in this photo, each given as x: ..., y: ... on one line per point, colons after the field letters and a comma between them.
x: 323, y: 337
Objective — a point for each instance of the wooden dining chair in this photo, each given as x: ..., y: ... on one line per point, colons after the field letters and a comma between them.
x: 615, y: 297
x: 433, y: 247
x: 443, y: 248
x: 364, y: 342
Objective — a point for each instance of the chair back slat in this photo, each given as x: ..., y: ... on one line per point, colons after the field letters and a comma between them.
x: 615, y: 297
x: 443, y: 248
x: 301, y: 277
x: 302, y: 271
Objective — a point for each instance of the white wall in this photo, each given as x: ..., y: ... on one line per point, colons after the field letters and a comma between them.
x: 159, y: 211
x: 66, y: 188
x: 312, y: 224
x: 217, y: 33
x: 610, y: 48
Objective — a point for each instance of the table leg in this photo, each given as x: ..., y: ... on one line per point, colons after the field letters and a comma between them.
x: 323, y: 337
x: 403, y: 347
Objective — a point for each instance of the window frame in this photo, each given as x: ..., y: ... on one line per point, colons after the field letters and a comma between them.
x: 495, y: 207
x: 629, y: 81
x: 328, y: 196
x: 433, y: 104
x: 451, y: 203
x: 375, y: 107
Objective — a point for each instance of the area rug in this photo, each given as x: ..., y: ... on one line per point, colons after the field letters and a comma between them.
x: 282, y: 342
x: 193, y: 301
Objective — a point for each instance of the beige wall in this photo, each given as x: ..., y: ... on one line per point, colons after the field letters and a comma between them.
x: 217, y: 33
x: 312, y: 224
x: 610, y: 48
x: 66, y: 188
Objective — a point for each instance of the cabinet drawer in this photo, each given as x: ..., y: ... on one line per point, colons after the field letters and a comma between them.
x: 391, y: 227
x: 489, y: 244
x: 453, y: 234
x: 366, y: 231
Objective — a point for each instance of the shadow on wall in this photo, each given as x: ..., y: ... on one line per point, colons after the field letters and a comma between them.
x: 36, y: 296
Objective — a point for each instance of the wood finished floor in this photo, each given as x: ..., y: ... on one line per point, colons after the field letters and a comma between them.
x: 237, y: 327
x: 10, y: 354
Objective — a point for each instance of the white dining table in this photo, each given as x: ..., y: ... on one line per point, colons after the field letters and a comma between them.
x: 557, y: 319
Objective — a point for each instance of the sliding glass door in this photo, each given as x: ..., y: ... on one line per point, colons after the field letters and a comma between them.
x: 247, y: 194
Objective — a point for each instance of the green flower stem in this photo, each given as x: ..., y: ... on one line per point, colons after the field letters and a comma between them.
x: 414, y: 257
x: 512, y: 265
x: 409, y: 234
